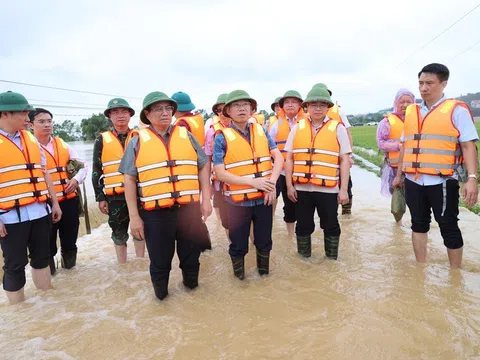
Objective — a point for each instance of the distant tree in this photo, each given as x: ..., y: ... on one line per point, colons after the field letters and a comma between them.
x: 94, y: 125
x: 68, y: 131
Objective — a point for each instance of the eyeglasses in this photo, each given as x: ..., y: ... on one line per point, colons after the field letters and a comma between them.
x: 44, y: 121
x: 318, y: 105
x: 218, y: 110
x: 161, y: 109
x: 238, y: 105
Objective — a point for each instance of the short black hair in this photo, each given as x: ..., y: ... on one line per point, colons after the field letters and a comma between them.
x: 440, y: 70
x: 37, y: 111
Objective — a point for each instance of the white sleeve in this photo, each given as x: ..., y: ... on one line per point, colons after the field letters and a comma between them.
x: 82, y: 173
x: 344, y: 118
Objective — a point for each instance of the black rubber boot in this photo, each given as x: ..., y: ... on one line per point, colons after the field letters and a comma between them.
x: 347, y: 208
x: 263, y: 262
x: 53, y: 266
x: 331, y: 246
x: 161, y: 289
x: 239, y: 268
x: 304, y: 245
x: 190, y: 279
x: 69, y: 259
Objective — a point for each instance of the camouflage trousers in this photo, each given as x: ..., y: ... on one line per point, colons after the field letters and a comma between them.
x: 119, y: 220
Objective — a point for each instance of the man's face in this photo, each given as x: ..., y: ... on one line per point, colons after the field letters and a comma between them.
x: 291, y: 106
x: 120, y: 117
x: 42, y: 125
x: 16, y: 119
x: 240, y: 111
x: 160, y: 113
x: 317, y: 110
x: 276, y: 108
x: 219, y: 112
x: 431, y: 88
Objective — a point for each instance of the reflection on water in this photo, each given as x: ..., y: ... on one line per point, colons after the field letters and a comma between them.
x: 374, y: 303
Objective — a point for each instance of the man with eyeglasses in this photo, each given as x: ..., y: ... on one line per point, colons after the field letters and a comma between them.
x: 242, y: 156
x: 185, y: 116
x: 289, y: 114
x: 58, y: 153
x: 108, y: 182
x: 167, y: 171
x: 318, y: 152
x: 25, y: 216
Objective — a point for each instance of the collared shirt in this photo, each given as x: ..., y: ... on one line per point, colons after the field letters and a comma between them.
x: 29, y: 212
x: 220, y: 150
x: 127, y: 165
x: 345, y: 148
x: 463, y: 122
x: 274, y: 132
x: 82, y: 173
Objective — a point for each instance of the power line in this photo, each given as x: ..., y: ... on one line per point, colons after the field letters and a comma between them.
x: 437, y: 36
x: 66, y: 102
x: 67, y: 107
x: 71, y: 90
x: 467, y: 49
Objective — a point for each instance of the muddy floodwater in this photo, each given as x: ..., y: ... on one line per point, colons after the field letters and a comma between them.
x: 375, y: 302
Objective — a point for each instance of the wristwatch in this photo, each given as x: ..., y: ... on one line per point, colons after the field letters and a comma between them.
x: 473, y: 176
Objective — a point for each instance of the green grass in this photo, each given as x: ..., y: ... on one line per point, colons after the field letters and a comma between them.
x: 366, y: 137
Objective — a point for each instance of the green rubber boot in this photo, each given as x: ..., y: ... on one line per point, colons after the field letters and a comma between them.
x: 331, y: 246
x: 347, y: 208
x: 304, y: 245
x: 263, y: 262
x: 239, y: 268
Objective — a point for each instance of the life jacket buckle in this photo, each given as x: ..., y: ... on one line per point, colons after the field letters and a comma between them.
x: 308, y: 176
x: 37, y: 194
x: 59, y: 169
x: 417, y: 136
x: 308, y: 162
x: 415, y: 164
x: 34, y: 180
x: 175, y: 194
x: 257, y: 175
x: 173, y: 178
x: 30, y: 166
x: 416, y: 151
x: 171, y: 163
x: 311, y: 151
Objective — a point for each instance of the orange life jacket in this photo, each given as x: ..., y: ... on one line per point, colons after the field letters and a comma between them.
x: 22, y: 180
x: 112, y: 154
x: 396, y: 130
x: 57, y: 168
x: 271, y: 120
x: 251, y: 160
x: 334, y: 113
x: 196, y: 126
x: 432, y: 147
x: 260, y: 118
x: 284, y: 129
x: 316, y: 158
x: 167, y: 174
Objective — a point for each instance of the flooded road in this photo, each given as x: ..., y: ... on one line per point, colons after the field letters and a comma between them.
x: 374, y: 303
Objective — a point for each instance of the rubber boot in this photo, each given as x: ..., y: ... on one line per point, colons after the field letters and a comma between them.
x: 69, y: 259
x: 331, y: 246
x: 263, y: 262
x: 190, y: 279
x: 347, y: 208
x: 304, y: 245
x: 161, y: 289
x: 239, y: 267
x: 53, y: 266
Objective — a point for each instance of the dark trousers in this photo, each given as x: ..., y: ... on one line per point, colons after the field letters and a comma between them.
x: 326, y: 206
x: 32, y: 235
x: 443, y: 200
x: 119, y: 220
x: 239, y: 220
x: 349, y: 189
x: 67, y: 227
x: 163, y: 228
x: 289, y: 206
x: 220, y: 203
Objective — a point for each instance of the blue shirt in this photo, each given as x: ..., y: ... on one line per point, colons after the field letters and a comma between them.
x: 220, y: 149
x: 463, y: 121
x: 29, y: 212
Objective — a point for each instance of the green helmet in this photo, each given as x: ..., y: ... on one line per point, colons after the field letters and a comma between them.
x: 118, y: 103
x: 222, y: 98
x: 153, y: 98
x: 184, y: 102
x: 275, y: 102
x: 236, y: 95
x: 322, y: 85
x: 12, y: 101
x: 318, y: 94
x: 291, y: 94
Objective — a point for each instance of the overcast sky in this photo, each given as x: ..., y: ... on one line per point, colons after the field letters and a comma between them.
x: 130, y: 48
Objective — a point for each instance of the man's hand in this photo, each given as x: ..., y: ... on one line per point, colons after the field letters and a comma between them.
x: 56, y: 213
x: 206, y: 208
x: 269, y: 198
x: 397, y: 182
x: 292, y: 193
x: 343, y: 197
x: 103, y: 206
x: 136, y: 227
x: 470, y: 192
x: 3, y: 229
x: 263, y: 184
x: 71, y: 186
